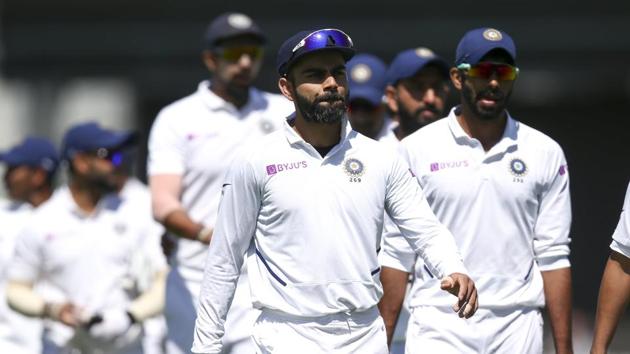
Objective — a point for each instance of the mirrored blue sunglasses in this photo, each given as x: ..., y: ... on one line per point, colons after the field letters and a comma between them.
x: 328, y: 37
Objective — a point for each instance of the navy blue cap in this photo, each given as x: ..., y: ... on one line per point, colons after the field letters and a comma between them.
x: 367, y: 78
x: 33, y: 152
x: 232, y: 24
x: 296, y: 47
x: 478, y: 42
x: 91, y: 136
x: 408, y: 62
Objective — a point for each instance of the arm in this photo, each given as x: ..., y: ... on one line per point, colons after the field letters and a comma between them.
x: 167, y: 209
x: 150, y: 302
x: 21, y: 298
x: 406, y: 205
x: 557, y: 285
x: 614, y: 294
x: 394, y: 286
x: 235, y: 228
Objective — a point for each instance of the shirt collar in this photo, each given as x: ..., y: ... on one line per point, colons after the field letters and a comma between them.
x: 108, y: 202
x: 508, y: 138
x: 294, y: 138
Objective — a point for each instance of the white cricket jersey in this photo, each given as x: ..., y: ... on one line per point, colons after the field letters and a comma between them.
x: 196, y: 137
x: 85, y: 259
x: 621, y: 237
x: 509, y: 210
x: 18, y: 333
x: 311, y: 227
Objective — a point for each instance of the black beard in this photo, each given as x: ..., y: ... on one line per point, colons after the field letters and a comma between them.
x: 330, y: 114
x: 411, y: 121
x: 485, y: 114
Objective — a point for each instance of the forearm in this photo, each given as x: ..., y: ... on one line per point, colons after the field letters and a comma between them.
x: 614, y: 293
x: 21, y: 298
x: 179, y: 223
x: 151, y: 302
x: 558, y: 298
x: 394, y: 286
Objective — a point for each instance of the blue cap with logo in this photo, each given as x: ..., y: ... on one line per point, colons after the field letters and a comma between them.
x: 33, y: 152
x: 230, y: 25
x: 367, y: 78
x: 479, y: 42
x: 90, y: 136
x: 306, y: 42
x: 408, y: 62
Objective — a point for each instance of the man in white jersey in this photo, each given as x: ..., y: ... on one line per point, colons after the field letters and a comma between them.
x: 502, y: 189
x: 366, y: 82
x: 84, y: 243
x: 190, y: 147
x: 28, y: 179
x: 614, y: 291
x: 308, y: 212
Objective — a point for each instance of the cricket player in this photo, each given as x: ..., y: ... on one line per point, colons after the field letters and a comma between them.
x: 28, y: 179
x: 614, y: 291
x: 416, y: 92
x: 307, y: 213
x: 191, y: 145
x: 502, y: 189
x: 366, y: 109
x: 84, y: 243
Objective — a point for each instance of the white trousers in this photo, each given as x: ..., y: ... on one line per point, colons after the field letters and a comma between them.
x: 440, y: 330
x: 344, y: 333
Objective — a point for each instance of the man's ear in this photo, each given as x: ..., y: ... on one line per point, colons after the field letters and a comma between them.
x: 210, y: 60
x: 456, y: 78
x: 286, y: 87
x: 390, y: 98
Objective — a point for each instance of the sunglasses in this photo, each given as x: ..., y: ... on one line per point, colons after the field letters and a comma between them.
x: 485, y: 70
x: 233, y: 54
x: 324, y: 38
x: 116, y: 157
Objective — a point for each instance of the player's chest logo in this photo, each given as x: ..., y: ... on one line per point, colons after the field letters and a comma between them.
x: 354, y: 169
x: 266, y: 126
x: 518, y: 169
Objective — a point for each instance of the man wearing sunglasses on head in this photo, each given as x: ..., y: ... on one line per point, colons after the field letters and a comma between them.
x: 366, y: 82
x: 502, y: 189
x: 307, y: 212
x: 82, y: 244
x: 29, y: 181
x: 191, y: 144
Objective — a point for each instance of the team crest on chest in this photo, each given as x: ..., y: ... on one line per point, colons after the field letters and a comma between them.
x: 354, y: 168
x: 266, y: 126
x: 518, y: 168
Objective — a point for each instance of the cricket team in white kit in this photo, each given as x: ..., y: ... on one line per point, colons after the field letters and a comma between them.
x: 277, y: 211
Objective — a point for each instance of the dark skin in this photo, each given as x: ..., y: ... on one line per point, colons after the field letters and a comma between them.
x: 28, y: 184
x: 365, y: 117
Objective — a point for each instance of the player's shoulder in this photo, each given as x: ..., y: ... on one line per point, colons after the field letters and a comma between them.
x: 273, y: 102
x: 536, y: 139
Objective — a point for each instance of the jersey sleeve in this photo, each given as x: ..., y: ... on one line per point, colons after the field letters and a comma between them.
x: 28, y: 257
x: 233, y: 233
x: 551, y: 231
x: 621, y: 236
x: 406, y: 204
x: 166, y: 146
x: 396, y: 252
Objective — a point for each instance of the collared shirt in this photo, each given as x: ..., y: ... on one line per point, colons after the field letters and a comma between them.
x: 311, y: 228
x: 509, y: 209
x: 621, y: 237
x: 196, y: 137
x: 18, y: 333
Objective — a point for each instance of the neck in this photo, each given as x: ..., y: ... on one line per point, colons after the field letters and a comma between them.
x: 40, y: 196
x: 317, y: 134
x: 237, y: 96
x: 488, y: 132
x: 86, y: 196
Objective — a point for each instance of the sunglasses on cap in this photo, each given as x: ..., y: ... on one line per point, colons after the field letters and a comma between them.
x: 113, y: 156
x: 485, y: 70
x: 328, y: 37
x: 233, y: 54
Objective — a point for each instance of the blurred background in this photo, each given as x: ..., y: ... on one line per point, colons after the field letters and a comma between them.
x: 119, y: 62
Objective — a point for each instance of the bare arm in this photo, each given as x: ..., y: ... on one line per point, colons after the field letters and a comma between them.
x: 394, y: 285
x: 558, y: 295
x: 614, y: 293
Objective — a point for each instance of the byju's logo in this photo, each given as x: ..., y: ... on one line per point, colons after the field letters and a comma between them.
x: 279, y: 167
x: 437, y: 166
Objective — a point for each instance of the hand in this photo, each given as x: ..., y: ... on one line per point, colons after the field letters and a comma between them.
x: 109, y: 324
x: 463, y: 287
x: 65, y: 313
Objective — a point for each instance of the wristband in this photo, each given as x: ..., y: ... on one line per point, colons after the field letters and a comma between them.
x: 204, y: 234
